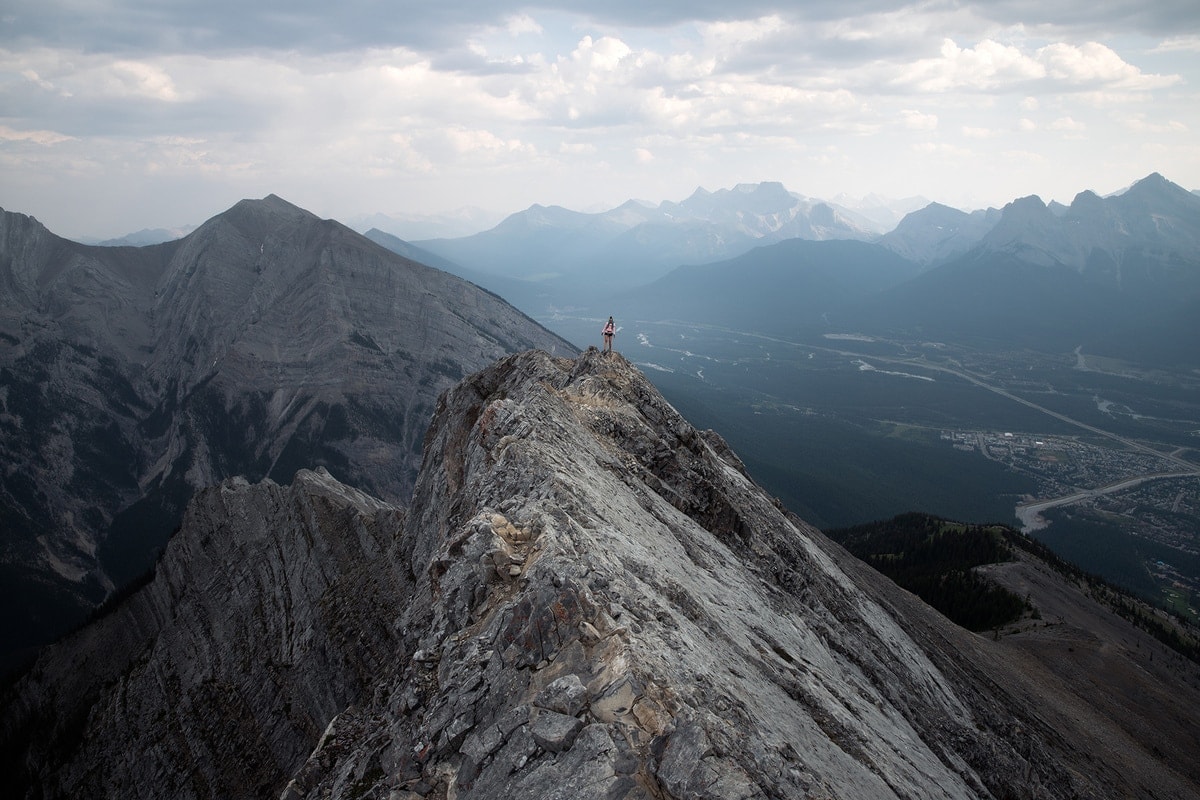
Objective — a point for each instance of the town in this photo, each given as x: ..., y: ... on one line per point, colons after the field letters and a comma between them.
x: 1147, y: 497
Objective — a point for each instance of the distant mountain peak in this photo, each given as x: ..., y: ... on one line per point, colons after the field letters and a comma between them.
x: 272, y: 203
x: 1087, y: 200
x: 763, y: 187
x: 1151, y: 180
x: 932, y: 214
x: 1154, y: 189
x: 1029, y: 203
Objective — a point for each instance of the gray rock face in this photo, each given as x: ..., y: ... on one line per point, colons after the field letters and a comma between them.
x: 268, y: 615
x: 1143, y: 240
x: 587, y: 598
x: 266, y: 341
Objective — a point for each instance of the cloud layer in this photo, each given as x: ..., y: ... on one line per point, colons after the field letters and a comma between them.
x: 120, y: 115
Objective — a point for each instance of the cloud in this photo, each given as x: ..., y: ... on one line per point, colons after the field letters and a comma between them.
x: 142, y: 79
x: 466, y: 142
x: 988, y: 65
x: 991, y: 66
x: 1140, y: 124
x: 151, y: 27
x: 1093, y: 64
x: 45, y: 138
x: 969, y: 132
x: 32, y: 76
x: 602, y: 55
x: 521, y: 24
x: 917, y: 121
x: 300, y: 93
x: 728, y: 36
x: 577, y: 148
x: 1067, y: 124
x: 1177, y: 44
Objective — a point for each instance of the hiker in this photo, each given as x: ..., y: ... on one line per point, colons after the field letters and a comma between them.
x: 609, y: 330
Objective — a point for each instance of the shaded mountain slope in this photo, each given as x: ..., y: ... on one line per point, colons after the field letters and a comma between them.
x: 586, y: 598
x: 262, y: 622
x: 1112, y: 239
x: 986, y: 299
x: 776, y: 288
x: 265, y: 341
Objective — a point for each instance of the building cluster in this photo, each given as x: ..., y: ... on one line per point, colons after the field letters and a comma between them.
x: 1061, y: 464
x: 1162, y: 510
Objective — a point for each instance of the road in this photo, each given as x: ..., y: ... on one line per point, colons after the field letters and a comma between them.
x: 1030, y: 513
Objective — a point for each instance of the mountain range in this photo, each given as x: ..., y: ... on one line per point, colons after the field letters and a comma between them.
x: 265, y: 341
x: 1117, y: 275
x: 586, y: 597
x: 568, y: 254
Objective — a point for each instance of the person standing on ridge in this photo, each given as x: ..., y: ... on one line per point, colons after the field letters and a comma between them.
x: 609, y: 330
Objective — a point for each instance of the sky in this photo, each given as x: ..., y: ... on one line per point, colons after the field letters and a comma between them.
x: 120, y: 115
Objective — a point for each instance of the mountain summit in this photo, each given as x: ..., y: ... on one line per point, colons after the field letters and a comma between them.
x: 265, y: 341
x: 586, y: 598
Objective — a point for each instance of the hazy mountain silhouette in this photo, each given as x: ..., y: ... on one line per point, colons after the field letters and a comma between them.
x: 572, y: 255
x: 1120, y: 273
x: 938, y: 233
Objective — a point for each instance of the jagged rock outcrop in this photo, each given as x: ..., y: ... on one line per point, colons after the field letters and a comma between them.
x: 267, y: 616
x: 265, y: 341
x: 588, y: 598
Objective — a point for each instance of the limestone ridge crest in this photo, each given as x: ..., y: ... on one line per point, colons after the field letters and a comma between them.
x: 587, y: 597
x: 606, y: 606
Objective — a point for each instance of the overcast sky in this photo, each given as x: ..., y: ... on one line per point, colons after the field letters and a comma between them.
x: 117, y: 115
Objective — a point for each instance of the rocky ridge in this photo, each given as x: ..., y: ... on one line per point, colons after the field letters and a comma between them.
x: 586, y: 598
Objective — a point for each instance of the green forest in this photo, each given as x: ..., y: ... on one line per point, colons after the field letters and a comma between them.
x: 935, y: 559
